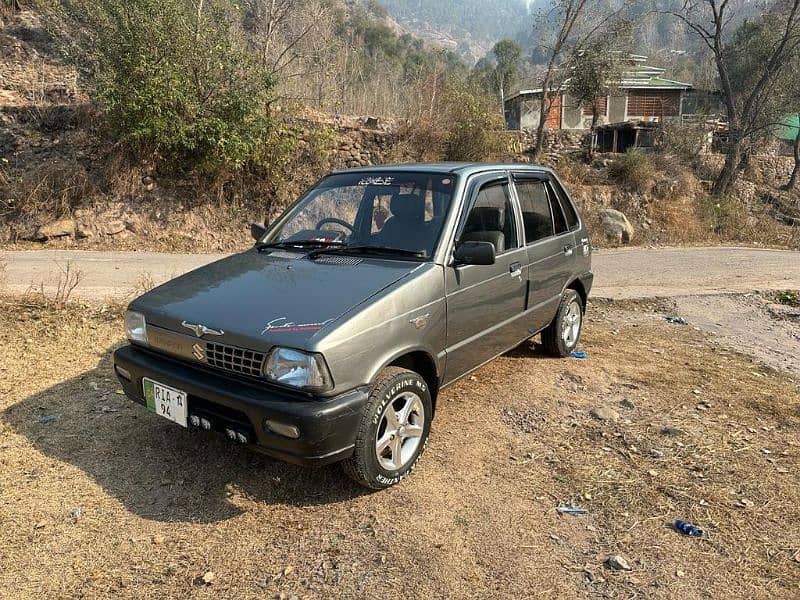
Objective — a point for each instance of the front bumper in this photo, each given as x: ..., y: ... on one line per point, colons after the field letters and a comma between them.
x: 327, y: 426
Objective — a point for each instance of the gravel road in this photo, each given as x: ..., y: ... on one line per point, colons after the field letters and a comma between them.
x: 620, y: 274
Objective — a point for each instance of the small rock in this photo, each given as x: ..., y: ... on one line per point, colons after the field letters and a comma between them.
x: 112, y: 227
x: 149, y: 183
x: 159, y: 539
x: 47, y: 419
x: 208, y: 577
x: 625, y: 403
x: 617, y: 562
x: 673, y: 431
x: 76, y: 513
x: 40, y: 525
x: 604, y: 413
x: 83, y: 231
x: 679, y: 573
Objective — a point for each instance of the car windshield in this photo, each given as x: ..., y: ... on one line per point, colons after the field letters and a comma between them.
x: 401, y: 211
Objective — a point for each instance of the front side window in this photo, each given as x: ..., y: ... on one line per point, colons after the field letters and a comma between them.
x: 536, y: 214
x: 395, y: 210
x: 491, y: 218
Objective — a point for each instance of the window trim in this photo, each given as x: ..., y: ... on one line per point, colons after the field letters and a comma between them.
x: 543, y: 180
x: 563, y: 196
x: 474, y: 189
x: 555, y: 204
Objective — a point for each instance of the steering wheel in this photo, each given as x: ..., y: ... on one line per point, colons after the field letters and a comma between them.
x: 335, y: 221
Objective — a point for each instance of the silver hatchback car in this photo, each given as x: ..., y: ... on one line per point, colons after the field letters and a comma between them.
x: 332, y: 337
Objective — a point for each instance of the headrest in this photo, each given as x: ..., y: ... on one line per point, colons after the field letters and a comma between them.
x: 408, y: 207
x: 487, y: 218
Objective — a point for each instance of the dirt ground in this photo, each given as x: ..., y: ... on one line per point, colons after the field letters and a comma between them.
x: 100, y: 499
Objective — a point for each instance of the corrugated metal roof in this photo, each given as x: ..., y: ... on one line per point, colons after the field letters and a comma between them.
x: 640, y: 76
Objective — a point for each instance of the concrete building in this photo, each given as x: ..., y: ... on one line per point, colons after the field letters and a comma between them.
x: 643, y: 95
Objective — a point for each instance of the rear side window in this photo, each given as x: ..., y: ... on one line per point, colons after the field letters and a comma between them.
x: 566, y: 205
x: 536, y: 215
x: 558, y: 214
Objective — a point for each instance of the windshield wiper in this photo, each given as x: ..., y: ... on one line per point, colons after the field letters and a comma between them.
x: 298, y: 244
x: 381, y: 250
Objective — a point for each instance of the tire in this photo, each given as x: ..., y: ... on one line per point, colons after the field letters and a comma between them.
x: 555, y: 339
x: 395, y: 393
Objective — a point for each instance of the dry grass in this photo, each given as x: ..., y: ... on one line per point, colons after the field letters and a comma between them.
x: 160, y: 507
x: 57, y: 295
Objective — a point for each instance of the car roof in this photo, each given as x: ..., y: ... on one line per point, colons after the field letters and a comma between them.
x: 454, y: 168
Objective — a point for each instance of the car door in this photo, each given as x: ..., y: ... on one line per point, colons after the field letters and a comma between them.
x: 550, y: 248
x: 485, y: 303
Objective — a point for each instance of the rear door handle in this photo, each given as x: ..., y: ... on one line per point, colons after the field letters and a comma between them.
x: 515, y: 268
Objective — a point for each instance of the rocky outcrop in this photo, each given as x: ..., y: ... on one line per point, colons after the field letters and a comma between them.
x: 616, y: 225
x: 55, y: 229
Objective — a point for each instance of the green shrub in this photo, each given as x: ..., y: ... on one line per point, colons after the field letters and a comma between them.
x: 174, y: 78
x: 633, y: 170
x: 460, y: 124
x: 789, y: 298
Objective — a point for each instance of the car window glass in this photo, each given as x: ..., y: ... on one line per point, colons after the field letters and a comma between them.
x: 491, y: 218
x: 558, y: 215
x: 566, y: 206
x: 394, y: 209
x: 536, y: 215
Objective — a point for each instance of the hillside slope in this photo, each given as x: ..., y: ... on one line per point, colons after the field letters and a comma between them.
x: 469, y: 27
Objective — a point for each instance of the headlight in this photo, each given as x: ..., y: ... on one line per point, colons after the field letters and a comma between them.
x: 298, y: 369
x: 136, y: 327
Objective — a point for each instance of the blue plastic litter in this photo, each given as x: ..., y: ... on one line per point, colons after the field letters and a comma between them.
x: 571, y: 510
x: 578, y: 354
x: 687, y: 528
x: 46, y: 420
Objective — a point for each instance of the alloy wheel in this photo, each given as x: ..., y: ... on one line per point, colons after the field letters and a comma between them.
x: 400, y: 431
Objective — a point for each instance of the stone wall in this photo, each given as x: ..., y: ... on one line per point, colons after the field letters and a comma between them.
x: 557, y: 142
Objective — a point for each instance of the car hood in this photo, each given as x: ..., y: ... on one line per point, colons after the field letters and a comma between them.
x: 263, y: 299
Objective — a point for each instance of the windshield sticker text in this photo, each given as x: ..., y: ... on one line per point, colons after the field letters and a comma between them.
x: 377, y: 181
x: 284, y: 324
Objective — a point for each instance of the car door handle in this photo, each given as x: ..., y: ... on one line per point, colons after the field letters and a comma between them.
x: 515, y: 268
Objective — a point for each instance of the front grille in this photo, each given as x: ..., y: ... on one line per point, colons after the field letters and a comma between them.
x: 236, y: 360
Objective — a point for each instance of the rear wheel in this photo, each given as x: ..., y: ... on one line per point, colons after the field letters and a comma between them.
x: 561, y: 337
x: 393, y: 431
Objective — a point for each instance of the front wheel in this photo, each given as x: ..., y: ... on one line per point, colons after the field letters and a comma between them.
x: 393, y: 431
x: 562, y: 335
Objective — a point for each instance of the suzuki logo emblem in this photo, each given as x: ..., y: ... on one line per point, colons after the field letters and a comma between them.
x: 201, y: 330
x: 198, y: 352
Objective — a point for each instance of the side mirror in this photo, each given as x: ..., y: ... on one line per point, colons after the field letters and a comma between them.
x: 474, y: 253
x: 257, y: 230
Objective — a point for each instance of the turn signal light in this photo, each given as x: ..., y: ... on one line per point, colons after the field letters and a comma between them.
x: 289, y: 431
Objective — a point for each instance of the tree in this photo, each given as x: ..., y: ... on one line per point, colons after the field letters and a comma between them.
x: 576, y: 26
x: 507, y: 53
x: 746, y: 105
x: 792, y: 128
x: 596, y: 74
x: 793, y: 178
x: 567, y: 12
